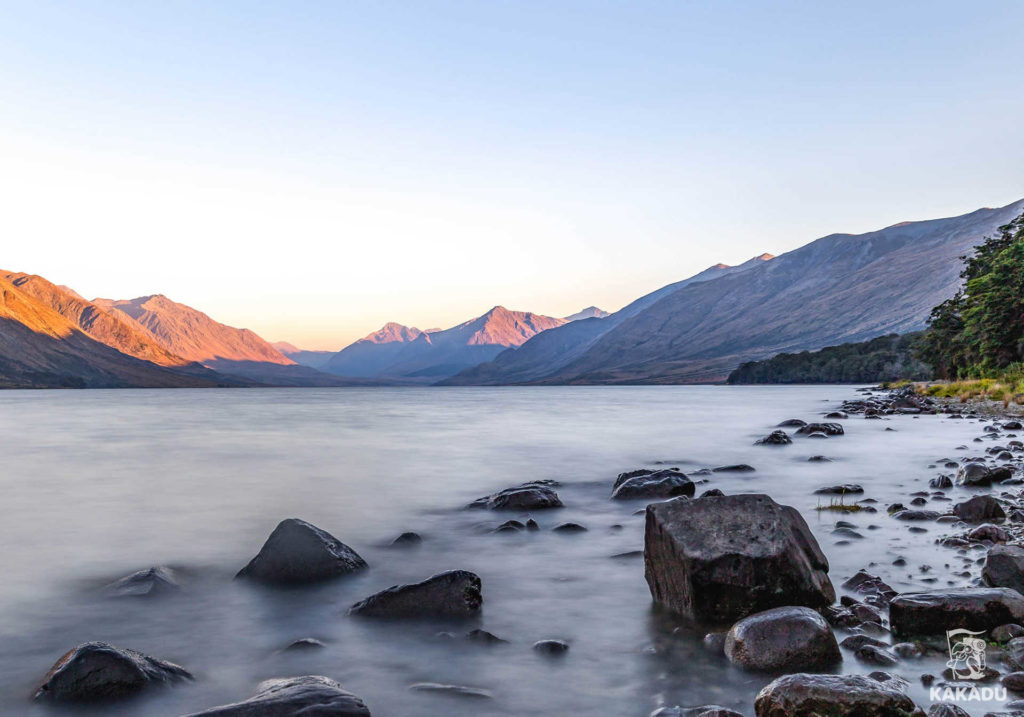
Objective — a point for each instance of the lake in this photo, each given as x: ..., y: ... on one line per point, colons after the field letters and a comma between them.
x: 99, y: 484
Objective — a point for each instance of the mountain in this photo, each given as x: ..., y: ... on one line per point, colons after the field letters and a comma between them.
x: 406, y: 353
x: 591, y: 312
x: 547, y: 352
x: 313, y: 359
x: 192, y: 335
x: 40, y: 347
x: 840, y: 288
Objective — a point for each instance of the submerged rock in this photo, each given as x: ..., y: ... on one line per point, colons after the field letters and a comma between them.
x: 306, y: 695
x: 783, y: 638
x: 98, y: 671
x: 1004, y: 567
x: 840, y: 489
x: 829, y: 429
x: 933, y: 613
x: 722, y: 558
x: 454, y: 690
x: 775, y: 438
x: 454, y: 594
x: 407, y: 538
x: 551, y: 647
x: 738, y: 468
x: 652, y: 484
x: 979, y: 509
x: 528, y: 496
x: 804, y: 695
x: 145, y: 583
x: 299, y: 552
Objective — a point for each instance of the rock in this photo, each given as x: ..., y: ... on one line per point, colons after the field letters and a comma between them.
x: 510, y: 526
x: 947, y: 710
x: 407, y: 538
x: 1014, y: 681
x: 715, y: 642
x: 839, y: 489
x: 97, y: 671
x: 303, y: 644
x: 792, y: 423
x: 722, y: 558
x: 702, y: 711
x: 298, y: 552
x: 803, y: 695
x: 1013, y: 653
x: 855, y: 642
x: 941, y: 482
x: 978, y: 509
x: 738, y: 468
x: 528, y: 496
x: 569, y: 528
x: 837, y: 414
x: 454, y: 594
x: 933, y: 613
x: 145, y: 583
x: 307, y: 695
x: 989, y: 532
x: 819, y: 459
x: 711, y: 492
x: 1005, y: 633
x: 916, y: 515
x: 783, y: 638
x: 484, y: 638
x: 455, y: 690
x: 775, y: 438
x: 1004, y: 568
x: 878, y: 592
x: 829, y: 429
x: 551, y: 647
x: 974, y: 474
x: 653, y: 484
x: 874, y: 655
x: 1012, y: 425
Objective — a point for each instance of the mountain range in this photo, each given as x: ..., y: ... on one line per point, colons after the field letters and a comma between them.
x: 839, y: 288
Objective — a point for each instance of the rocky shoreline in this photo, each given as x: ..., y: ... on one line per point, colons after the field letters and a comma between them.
x: 742, y: 565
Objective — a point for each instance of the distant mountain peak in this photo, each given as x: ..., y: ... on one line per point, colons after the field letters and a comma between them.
x: 591, y: 312
x: 393, y: 332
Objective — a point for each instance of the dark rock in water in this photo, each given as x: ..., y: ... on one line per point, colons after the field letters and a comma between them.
x: 933, y: 613
x: 145, y: 583
x: 940, y: 709
x: 1005, y: 633
x: 784, y: 638
x: 1014, y: 681
x: 407, y: 538
x: 979, y: 508
x: 454, y: 690
x: 303, y: 644
x: 711, y: 492
x: 919, y: 501
x: 531, y: 524
x: 722, y: 558
x: 792, y: 423
x: 715, y: 642
x: 941, y: 482
x: 702, y: 711
x: 829, y: 429
x: 837, y: 414
x: 307, y: 695
x: 839, y: 489
x: 1012, y: 425
x: 915, y: 515
x: 484, y: 638
x: 989, y: 532
x: 528, y: 496
x: 654, y: 484
x: 510, y: 526
x: 454, y: 594
x: 874, y: 655
x: 804, y: 695
x: 819, y: 459
x: 738, y: 468
x: 298, y: 552
x: 855, y: 642
x: 1004, y: 567
x: 775, y: 438
x: 97, y: 671
x: 1013, y: 653
x: 974, y: 474
x: 551, y: 647
x: 569, y: 528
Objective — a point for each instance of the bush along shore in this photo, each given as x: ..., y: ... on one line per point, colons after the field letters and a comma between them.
x: 743, y: 567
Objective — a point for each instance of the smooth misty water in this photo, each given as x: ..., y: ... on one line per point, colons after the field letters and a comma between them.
x: 98, y: 484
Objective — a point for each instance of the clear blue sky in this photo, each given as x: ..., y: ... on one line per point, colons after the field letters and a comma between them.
x: 314, y: 169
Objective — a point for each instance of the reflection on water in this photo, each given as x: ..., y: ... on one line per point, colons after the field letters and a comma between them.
x: 99, y: 484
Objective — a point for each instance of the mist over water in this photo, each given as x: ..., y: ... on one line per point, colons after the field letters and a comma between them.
x: 98, y: 484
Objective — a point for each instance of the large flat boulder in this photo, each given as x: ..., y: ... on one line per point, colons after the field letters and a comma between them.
x: 652, y: 484
x: 311, y: 695
x: 537, y: 495
x: 97, y: 671
x: 979, y: 509
x: 804, y: 695
x: 299, y: 552
x: 935, y: 612
x: 787, y: 639
x: 721, y: 558
x: 454, y: 594
x: 1004, y: 567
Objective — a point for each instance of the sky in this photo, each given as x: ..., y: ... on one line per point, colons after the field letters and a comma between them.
x: 312, y: 170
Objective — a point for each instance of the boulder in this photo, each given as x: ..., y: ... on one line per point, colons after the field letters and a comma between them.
x: 1004, y: 567
x: 299, y: 552
x: 454, y: 594
x: 840, y: 489
x: 307, y: 695
x: 775, y: 438
x: 452, y: 690
x: 98, y: 671
x: 792, y: 423
x: 979, y: 509
x: 947, y: 710
x: 916, y: 515
x: 721, y: 558
x: 150, y: 582
x: 569, y: 528
x: 551, y: 647
x: 829, y: 429
x: 933, y: 613
x: 990, y: 533
x: 653, y: 484
x: 782, y: 639
x: 702, y: 711
x: 407, y: 538
x: 528, y: 496
x: 804, y: 695
x: 974, y: 474
x: 737, y: 468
